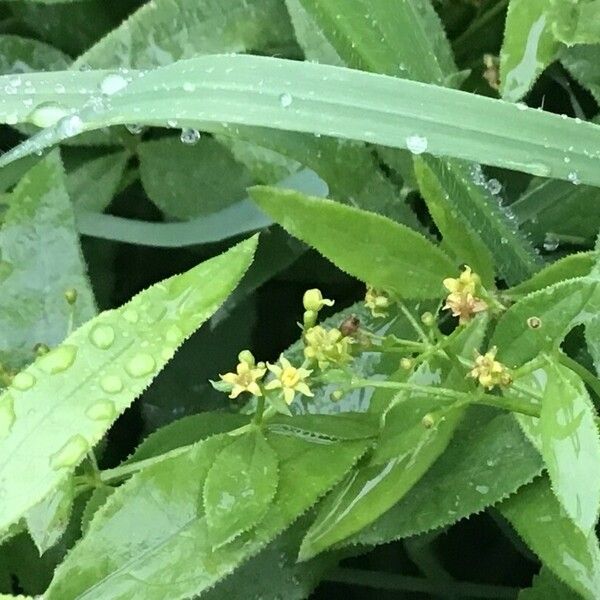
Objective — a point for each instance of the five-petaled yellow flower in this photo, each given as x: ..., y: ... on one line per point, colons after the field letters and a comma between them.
x: 245, y: 379
x: 462, y: 299
x: 489, y: 371
x: 289, y: 379
x: 377, y: 301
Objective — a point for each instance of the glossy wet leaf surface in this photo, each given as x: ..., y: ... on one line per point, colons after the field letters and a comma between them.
x: 166, y: 548
x: 239, y: 487
x: 66, y: 400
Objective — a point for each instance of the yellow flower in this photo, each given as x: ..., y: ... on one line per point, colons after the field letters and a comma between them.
x: 489, y: 371
x: 245, y: 379
x: 313, y: 300
x: 289, y: 379
x: 462, y: 299
x: 326, y: 346
x: 377, y: 301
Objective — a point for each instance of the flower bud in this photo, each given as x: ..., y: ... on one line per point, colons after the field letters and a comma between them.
x: 428, y: 421
x: 427, y: 319
x: 313, y: 300
x: 71, y: 296
x: 309, y: 319
x: 406, y: 363
x: 245, y: 356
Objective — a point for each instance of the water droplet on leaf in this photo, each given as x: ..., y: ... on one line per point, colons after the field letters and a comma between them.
x: 70, y: 454
x: 131, y: 315
x: 23, y: 381
x: 112, y: 84
x: 189, y: 136
x: 551, y: 242
x: 47, y: 114
x: 102, y: 336
x: 58, y: 360
x: 286, y: 100
x: 111, y: 384
x: 140, y: 365
x: 103, y: 410
x: 416, y: 144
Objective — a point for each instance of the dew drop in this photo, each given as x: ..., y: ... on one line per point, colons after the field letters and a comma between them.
x: 102, y: 410
x: 57, y: 360
x: 188, y: 86
x: 59, y: 88
x: 573, y: 177
x: 102, y: 336
x: 131, y: 315
x: 140, y: 365
x: 189, y: 136
x: 134, y: 128
x: 111, y: 384
x: 539, y: 169
x: 70, y: 126
x: 112, y: 84
x: 286, y: 100
x: 482, y: 489
x: 70, y: 454
x: 494, y: 187
x: 551, y: 242
x: 534, y: 322
x: 7, y: 414
x: 47, y: 114
x: 521, y: 106
x: 416, y: 144
x: 23, y: 381
x: 174, y: 335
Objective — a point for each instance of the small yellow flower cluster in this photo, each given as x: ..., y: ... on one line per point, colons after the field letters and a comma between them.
x: 327, y: 346
x: 377, y: 301
x: 490, y: 372
x: 248, y: 378
x: 462, y: 299
x: 313, y: 302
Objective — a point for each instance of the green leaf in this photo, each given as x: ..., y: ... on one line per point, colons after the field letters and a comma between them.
x: 539, y: 519
x: 65, y: 402
x: 570, y: 445
x: 559, y: 307
x: 576, y: 22
x: 22, y: 55
x: 98, y: 498
x: 546, y: 585
x: 487, y: 459
x: 93, y: 184
x: 458, y: 238
x: 559, y: 210
x: 187, y: 181
x: 41, y: 259
x: 387, y: 112
x: 582, y: 64
x: 239, y: 487
x: 185, y: 28
x: 47, y: 521
x: 160, y: 505
x: 368, y: 246
x: 529, y: 46
x: 406, y: 451
x: 407, y: 41
x: 571, y: 266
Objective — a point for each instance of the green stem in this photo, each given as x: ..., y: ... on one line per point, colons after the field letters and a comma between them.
x: 589, y: 378
x: 260, y: 409
x: 415, y: 324
x: 444, y: 589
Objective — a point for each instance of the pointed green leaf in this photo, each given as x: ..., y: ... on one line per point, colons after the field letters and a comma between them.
x: 559, y: 308
x: 239, y: 487
x: 529, y: 46
x: 570, y: 445
x: 20, y: 55
x: 165, y: 550
x: 539, y: 519
x: 344, y: 426
x: 40, y: 259
x: 368, y: 246
x: 324, y: 98
x: 47, y: 521
x: 576, y: 22
x: 185, y: 28
x: 545, y: 586
x: 487, y: 460
x: 65, y: 401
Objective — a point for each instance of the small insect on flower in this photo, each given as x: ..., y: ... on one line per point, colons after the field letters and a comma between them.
x: 289, y: 379
x: 377, y: 301
x: 462, y: 299
x: 489, y: 371
x: 247, y: 376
